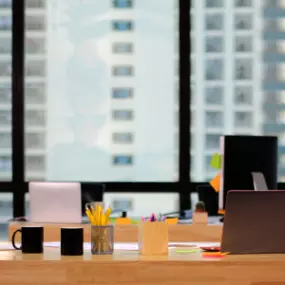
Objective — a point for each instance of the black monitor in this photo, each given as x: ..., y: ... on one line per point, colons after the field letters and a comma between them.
x: 91, y: 192
x: 242, y: 155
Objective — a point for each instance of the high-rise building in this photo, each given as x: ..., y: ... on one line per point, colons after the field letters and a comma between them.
x: 227, y: 83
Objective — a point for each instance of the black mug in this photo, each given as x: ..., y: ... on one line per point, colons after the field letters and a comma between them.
x: 71, y: 241
x: 32, y: 239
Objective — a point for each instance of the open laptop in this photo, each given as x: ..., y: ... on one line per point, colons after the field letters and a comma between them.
x: 55, y: 202
x: 254, y: 222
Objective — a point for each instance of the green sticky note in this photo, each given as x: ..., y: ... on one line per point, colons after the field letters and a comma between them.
x: 216, y: 161
x: 186, y: 251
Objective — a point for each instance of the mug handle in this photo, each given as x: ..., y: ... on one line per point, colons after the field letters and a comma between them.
x: 13, y: 239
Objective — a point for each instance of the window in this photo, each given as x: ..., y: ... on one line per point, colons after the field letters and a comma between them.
x: 5, y: 68
x: 243, y: 95
x: 214, y: 3
x: 214, y: 22
x: 6, y: 213
x: 243, y: 69
x: 243, y: 22
x: 214, y: 44
x: 6, y: 46
x: 35, y: 68
x: 91, y: 90
x: 243, y: 44
x: 213, y: 142
x: 5, y: 93
x: 243, y: 3
x: 122, y: 138
x: 214, y: 95
x: 35, y: 23
x: 123, y: 3
x: 214, y: 70
x: 214, y: 119
x: 122, y: 160
x: 243, y: 119
x: 123, y: 70
x: 122, y: 25
x: 123, y: 115
x: 35, y: 46
x: 35, y: 4
x: 5, y: 4
x: 122, y: 48
x: 122, y: 93
x: 5, y: 23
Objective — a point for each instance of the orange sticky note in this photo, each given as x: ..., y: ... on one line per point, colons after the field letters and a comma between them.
x: 123, y: 221
x: 172, y: 221
x: 215, y: 183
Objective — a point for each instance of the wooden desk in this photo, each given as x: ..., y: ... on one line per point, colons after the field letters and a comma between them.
x: 126, y: 268
x: 129, y: 233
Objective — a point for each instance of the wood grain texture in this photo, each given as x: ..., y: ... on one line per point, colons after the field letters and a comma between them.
x: 125, y: 268
x: 129, y: 233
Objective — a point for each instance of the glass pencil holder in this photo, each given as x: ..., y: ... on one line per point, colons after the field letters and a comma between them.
x: 102, y: 239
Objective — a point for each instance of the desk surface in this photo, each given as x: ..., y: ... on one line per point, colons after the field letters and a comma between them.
x: 129, y: 268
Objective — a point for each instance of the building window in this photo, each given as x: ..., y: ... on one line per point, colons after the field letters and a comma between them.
x: 123, y: 71
x: 122, y: 25
x: 214, y: 44
x: 214, y: 69
x: 214, y: 119
x: 243, y: 22
x: 122, y: 48
x: 6, y: 4
x: 124, y: 138
x: 243, y: 3
x: 35, y: 93
x: 214, y: 95
x: 243, y: 95
x: 243, y: 119
x: 5, y: 93
x: 35, y: 163
x: 122, y: 160
x: 35, y: 23
x: 6, y: 46
x: 243, y: 44
x: 5, y: 163
x: 5, y: 23
x: 35, y: 46
x: 122, y: 115
x: 35, y: 68
x: 35, y: 140
x: 122, y: 93
x: 213, y: 142
x: 5, y: 118
x: 214, y: 22
x: 35, y: 4
x: 123, y: 3
x: 35, y: 118
x: 214, y: 3
x: 243, y: 69
x: 5, y: 69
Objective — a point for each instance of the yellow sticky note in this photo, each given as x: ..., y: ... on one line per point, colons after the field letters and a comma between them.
x: 123, y: 221
x: 216, y: 161
x: 215, y: 183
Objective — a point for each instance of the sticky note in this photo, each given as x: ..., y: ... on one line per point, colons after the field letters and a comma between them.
x: 123, y: 221
x: 215, y: 183
x: 172, y: 221
x: 186, y: 251
x: 216, y: 161
x: 214, y: 254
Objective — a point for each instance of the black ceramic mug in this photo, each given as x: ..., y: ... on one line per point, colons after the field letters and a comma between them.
x: 32, y: 239
x: 71, y: 241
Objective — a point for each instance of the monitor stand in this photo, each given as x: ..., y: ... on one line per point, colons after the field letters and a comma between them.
x: 259, y: 182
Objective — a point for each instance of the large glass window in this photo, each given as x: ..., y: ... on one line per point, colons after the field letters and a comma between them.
x: 100, y: 90
x: 5, y: 92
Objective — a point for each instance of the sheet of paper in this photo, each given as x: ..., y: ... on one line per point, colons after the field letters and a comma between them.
x: 8, y: 246
x: 216, y: 161
x: 215, y: 183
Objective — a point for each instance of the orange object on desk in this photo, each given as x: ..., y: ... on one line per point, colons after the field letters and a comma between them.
x: 123, y: 221
x: 171, y: 221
